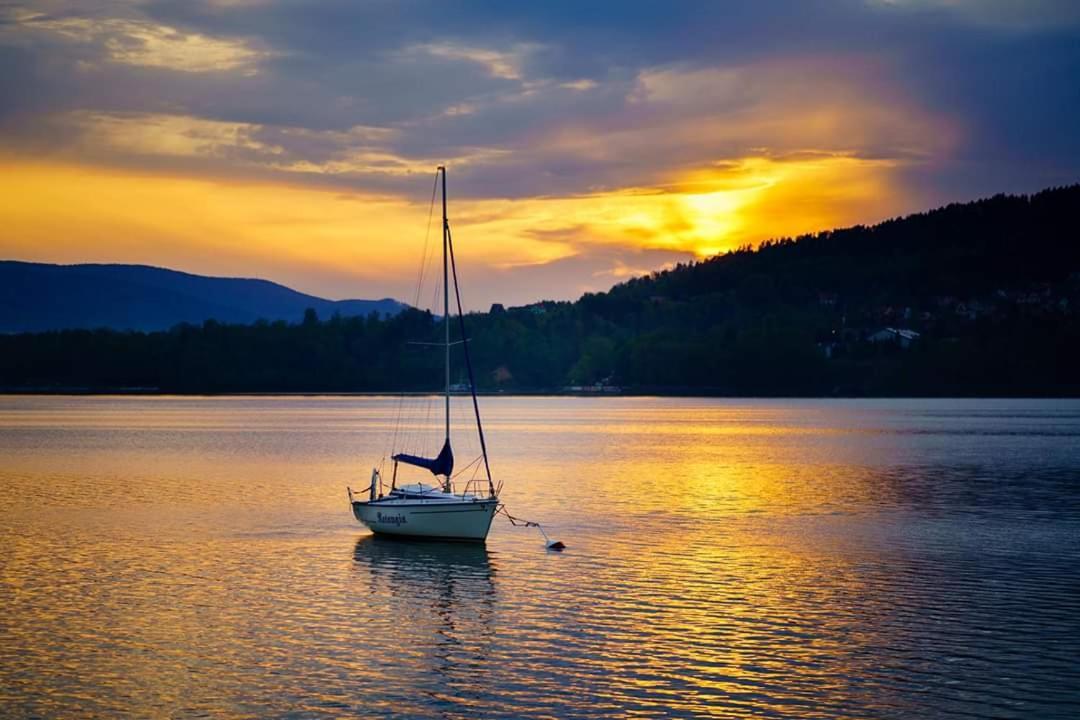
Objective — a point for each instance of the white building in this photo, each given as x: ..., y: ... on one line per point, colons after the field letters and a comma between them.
x: 902, y: 337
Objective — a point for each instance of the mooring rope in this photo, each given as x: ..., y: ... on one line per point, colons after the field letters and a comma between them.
x: 516, y: 521
x: 521, y: 522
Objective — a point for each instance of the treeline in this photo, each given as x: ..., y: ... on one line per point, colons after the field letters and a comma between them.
x: 987, y: 294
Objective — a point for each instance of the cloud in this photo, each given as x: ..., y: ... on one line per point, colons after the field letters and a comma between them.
x: 582, y: 84
x: 359, y: 155
x: 143, y: 43
x: 670, y: 121
x: 998, y: 14
x: 579, y: 139
x: 169, y: 135
x: 505, y: 64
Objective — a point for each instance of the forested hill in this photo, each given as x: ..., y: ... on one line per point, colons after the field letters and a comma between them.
x: 41, y: 296
x: 962, y: 251
x: 972, y: 299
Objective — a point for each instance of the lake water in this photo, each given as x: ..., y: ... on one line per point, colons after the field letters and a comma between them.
x: 196, y: 557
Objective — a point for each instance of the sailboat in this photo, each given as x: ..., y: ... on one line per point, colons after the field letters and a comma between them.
x: 436, y: 511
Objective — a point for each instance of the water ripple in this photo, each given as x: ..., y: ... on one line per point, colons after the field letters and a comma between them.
x: 790, y: 559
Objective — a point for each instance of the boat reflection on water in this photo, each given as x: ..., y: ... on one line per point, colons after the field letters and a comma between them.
x: 441, y: 597
x: 422, y: 561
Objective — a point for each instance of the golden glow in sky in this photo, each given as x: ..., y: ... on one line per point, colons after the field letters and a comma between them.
x: 175, y: 144
x: 322, y: 239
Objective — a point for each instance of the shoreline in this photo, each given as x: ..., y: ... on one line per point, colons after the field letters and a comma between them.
x: 643, y: 393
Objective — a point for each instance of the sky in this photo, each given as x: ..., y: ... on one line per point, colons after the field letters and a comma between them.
x: 586, y: 143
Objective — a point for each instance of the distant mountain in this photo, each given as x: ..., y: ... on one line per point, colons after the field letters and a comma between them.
x: 35, y: 297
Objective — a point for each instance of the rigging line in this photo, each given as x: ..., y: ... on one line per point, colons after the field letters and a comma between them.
x: 416, y: 302
x: 429, y: 269
x: 462, y: 418
x: 435, y: 394
x: 436, y: 290
x: 468, y: 361
x: 459, y: 472
x: 417, y: 420
x: 427, y: 421
x: 397, y: 423
x: 417, y: 429
x: 418, y: 423
x: 427, y: 237
x: 413, y: 409
x: 437, y: 286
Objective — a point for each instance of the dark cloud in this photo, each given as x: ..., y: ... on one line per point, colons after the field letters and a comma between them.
x: 1006, y: 75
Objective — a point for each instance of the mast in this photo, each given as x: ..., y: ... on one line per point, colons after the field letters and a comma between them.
x: 446, y: 306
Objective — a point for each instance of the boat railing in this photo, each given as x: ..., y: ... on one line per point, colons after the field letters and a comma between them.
x: 474, y: 484
x: 474, y: 488
x: 438, y: 494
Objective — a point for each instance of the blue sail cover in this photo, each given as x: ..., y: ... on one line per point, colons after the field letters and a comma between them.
x: 441, y: 465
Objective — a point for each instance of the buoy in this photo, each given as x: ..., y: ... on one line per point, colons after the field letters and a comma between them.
x: 555, y: 545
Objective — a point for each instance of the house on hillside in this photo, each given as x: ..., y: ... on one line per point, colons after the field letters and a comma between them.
x: 600, y: 386
x: 902, y: 337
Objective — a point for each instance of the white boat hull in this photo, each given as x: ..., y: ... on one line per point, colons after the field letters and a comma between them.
x: 467, y: 520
